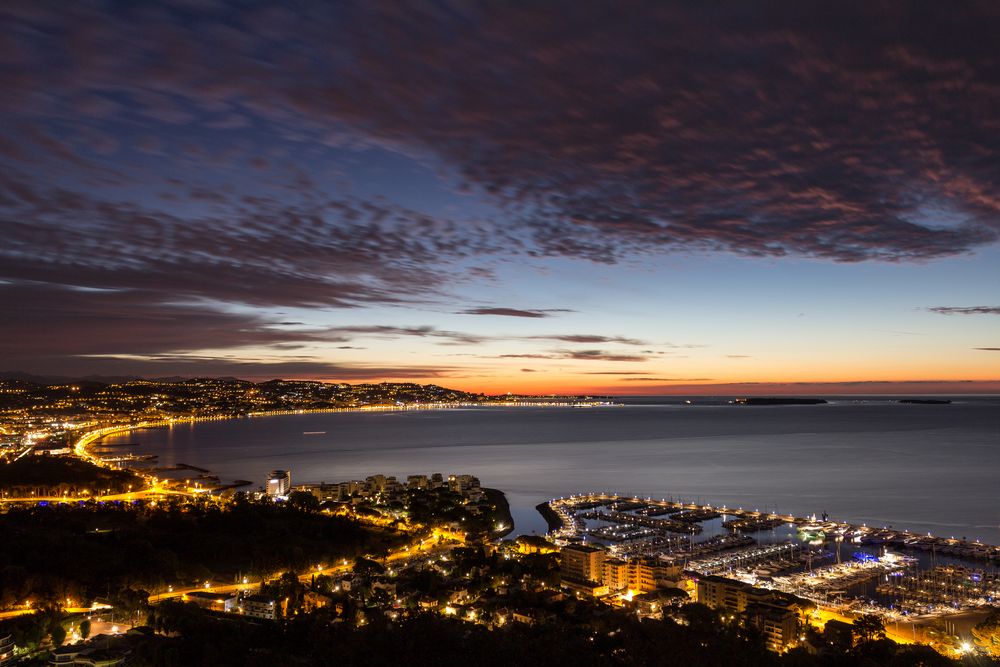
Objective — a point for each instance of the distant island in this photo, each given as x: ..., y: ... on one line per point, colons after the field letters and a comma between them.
x: 925, y: 401
x: 779, y: 401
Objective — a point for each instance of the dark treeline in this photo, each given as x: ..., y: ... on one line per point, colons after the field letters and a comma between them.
x: 55, y: 475
x: 87, y: 551
x: 697, y: 638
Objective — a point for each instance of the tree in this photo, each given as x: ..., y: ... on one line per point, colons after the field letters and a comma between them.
x: 869, y: 627
x: 58, y: 633
x: 303, y: 500
x: 368, y: 567
x: 987, y: 634
x: 85, y: 628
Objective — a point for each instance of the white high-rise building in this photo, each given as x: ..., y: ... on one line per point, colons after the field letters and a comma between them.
x: 279, y: 483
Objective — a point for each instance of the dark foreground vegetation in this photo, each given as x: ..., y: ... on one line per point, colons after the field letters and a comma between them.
x: 55, y: 475
x: 696, y: 636
x: 89, y: 550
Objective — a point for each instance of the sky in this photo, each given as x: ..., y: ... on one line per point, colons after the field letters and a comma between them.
x: 609, y: 198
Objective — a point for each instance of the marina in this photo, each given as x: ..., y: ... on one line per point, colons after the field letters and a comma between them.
x: 839, y: 566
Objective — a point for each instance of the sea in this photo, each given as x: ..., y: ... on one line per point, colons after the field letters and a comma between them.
x: 872, y: 460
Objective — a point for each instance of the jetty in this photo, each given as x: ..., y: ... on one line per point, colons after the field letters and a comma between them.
x: 569, y: 513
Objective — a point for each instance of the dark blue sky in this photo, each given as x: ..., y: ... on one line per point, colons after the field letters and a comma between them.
x: 528, y: 196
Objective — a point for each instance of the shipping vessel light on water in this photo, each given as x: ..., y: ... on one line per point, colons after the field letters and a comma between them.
x: 313, y: 432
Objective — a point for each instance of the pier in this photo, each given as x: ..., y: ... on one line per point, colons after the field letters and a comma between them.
x: 568, y: 511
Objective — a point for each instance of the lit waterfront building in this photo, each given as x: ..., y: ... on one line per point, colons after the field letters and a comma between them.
x: 462, y: 483
x: 722, y: 593
x: 583, y: 562
x: 777, y: 623
x: 615, y: 574
x: 774, y: 614
x: 279, y: 483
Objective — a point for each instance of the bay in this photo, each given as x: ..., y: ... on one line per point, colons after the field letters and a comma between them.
x: 927, y: 468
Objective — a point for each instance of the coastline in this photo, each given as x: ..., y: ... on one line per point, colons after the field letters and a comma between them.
x: 197, y: 444
x: 551, y: 518
x: 91, y: 437
x: 499, y: 500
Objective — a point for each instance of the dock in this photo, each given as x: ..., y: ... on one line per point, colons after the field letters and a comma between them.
x: 571, y: 511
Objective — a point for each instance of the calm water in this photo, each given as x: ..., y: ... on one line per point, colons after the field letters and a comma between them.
x: 920, y: 467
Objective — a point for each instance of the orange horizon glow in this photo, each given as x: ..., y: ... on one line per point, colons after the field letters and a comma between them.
x: 504, y: 385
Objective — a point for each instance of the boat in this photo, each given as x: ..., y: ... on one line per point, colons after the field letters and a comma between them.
x: 813, y: 529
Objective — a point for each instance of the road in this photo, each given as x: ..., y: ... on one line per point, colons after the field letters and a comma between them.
x: 423, y: 548
x: 154, y: 492
x: 4, y: 615
x: 819, y: 618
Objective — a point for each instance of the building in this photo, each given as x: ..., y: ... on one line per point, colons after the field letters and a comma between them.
x: 585, y: 589
x: 535, y: 544
x: 778, y: 623
x: 616, y: 573
x: 312, y: 600
x: 417, y: 481
x: 212, y: 601
x: 375, y: 483
x: 648, y: 574
x: 462, y: 483
x: 641, y: 575
x: 100, y: 651
x: 582, y: 570
x: 351, y: 488
x: 730, y: 594
x: 774, y: 614
x: 582, y: 562
x: 392, y: 485
x: 322, y: 491
x: 6, y: 650
x: 279, y: 483
x: 260, y: 606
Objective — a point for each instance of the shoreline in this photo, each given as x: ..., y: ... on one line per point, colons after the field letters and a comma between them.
x: 552, y: 519
x: 89, y: 438
x: 499, y: 499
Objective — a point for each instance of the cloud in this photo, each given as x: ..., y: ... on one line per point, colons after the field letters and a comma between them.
x: 966, y: 310
x: 528, y: 370
x: 655, y: 379
x: 600, y: 355
x: 588, y: 133
x: 577, y: 355
x: 528, y: 356
x: 616, y: 373
x: 588, y: 338
x: 305, y: 250
x: 987, y: 349
x: 514, y: 312
x: 179, y: 366
x: 388, y: 331
x: 862, y: 387
x: 45, y: 320
x: 748, y: 130
x: 738, y: 356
